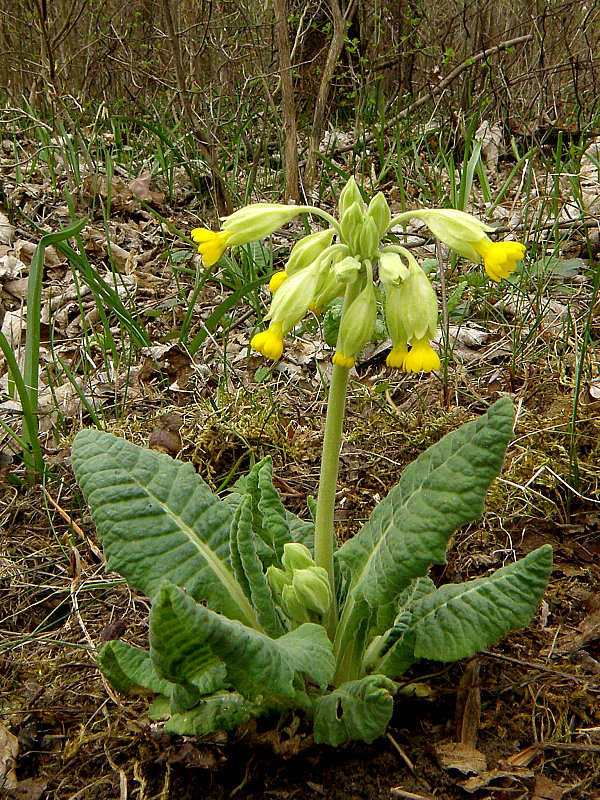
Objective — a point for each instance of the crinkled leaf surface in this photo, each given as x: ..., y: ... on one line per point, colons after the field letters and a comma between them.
x: 270, y: 519
x: 458, y: 620
x: 187, y: 638
x: 220, y: 711
x: 355, y: 710
x: 128, y: 667
x: 157, y: 519
x: 443, y: 489
x: 249, y: 568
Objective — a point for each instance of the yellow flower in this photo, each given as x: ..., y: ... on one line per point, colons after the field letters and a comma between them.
x: 269, y: 342
x: 397, y: 355
x: 499, y: 258
x: 277, y: 280
x: 343, y: 361
x: 211, y: 244
x: 421, y: 357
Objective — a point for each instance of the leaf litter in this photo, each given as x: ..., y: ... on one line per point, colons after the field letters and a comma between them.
x: 522, y: 720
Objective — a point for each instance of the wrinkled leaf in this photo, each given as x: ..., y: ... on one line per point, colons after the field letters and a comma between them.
x: 458, y: 620
x: 157, y: 519
x: 128, y: 668
x: 355, y: 710
x: 220, y: 711
x: 187, y: 638
x: 443, y: 489
x: 248, y: 569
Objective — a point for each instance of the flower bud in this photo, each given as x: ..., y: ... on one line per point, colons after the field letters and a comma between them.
x: 293, y: 606
x: 456, y: 229
x: 357, y: 325
x: 347, y: 269
x: 327, y: 292
x: 349, y: 195
x: 369, y: 239
x: 257, y: 221
x: 308, y: 249
x: 296, y: 556
x: 417, y: 305
x: 312, y: 588
x: 292, y: 299
x: 392, y: 270
x: 395, y: 327
x: 277, y: 579
x: 379, y: 212
x: 351, y: 224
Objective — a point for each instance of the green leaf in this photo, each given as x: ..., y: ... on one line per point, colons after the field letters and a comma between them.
x: 270, y: 519
x: 440, y: 491
x: 220, y: 711
x: 248, y: 569
x: 309, y: 650
x: 128, y: 668
x: 157, y: 519
x: 355, y: 710
x: 187, y: 638
x: 458, y: 620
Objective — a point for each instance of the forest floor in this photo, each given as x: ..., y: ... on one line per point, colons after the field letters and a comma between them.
x: 520, y: 720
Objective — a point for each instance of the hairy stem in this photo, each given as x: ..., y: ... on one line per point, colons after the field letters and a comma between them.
x: 334, y: 423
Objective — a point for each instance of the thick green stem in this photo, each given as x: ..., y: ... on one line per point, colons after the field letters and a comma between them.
x: 334, y: 423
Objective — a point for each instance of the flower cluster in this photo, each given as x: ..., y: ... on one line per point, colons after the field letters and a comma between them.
x: 301, y: 589
x: 345, y: 259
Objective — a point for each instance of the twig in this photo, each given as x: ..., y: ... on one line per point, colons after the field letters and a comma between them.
x: 441, y: 86
x: 401, y: 753
x: 541, y: 668
x: 398, y: 792
x: 573, y: 746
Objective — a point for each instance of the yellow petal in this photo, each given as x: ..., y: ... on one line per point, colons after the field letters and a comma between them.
x: 421, y: 357
x: 343, y: 361
x: 277, y: 280
x: 211, y: 244
x: 500, y: 258
x: 396, y: 356
x: 269, y: 342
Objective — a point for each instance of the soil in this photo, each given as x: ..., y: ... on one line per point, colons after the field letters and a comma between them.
x: 521, y: 720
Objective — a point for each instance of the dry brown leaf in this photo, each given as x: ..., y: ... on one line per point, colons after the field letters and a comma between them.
x: 28, y: 789
x: 587, y: 631
x: 7, y: 231
x: 11, y: 266
x: 9, y: 749
x: 465, y: 759
x: 25, y: 249
x: 546, y: 789
x: 505, y: 778
x: 140, y: 187
x: 468, y: 705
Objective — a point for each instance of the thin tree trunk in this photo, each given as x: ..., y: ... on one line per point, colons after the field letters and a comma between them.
x: 290, y: 139
x: 222, y: 197
x: 340, y: 25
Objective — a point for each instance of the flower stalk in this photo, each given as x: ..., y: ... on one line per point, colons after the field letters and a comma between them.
x: 347, y: 257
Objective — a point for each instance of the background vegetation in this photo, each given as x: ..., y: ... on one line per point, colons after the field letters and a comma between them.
x: 125, y: 125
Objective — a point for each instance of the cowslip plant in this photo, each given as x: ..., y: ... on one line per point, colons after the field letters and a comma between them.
x: 254, y: 610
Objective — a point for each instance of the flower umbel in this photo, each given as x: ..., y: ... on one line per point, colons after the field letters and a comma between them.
x: 342, y: 257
